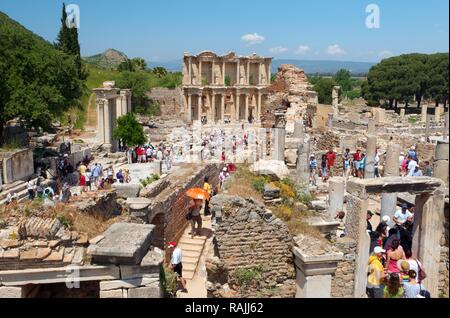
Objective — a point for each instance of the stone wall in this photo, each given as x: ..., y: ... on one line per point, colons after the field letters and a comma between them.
x: 249, y: 237
x: 443, y: 264
x: 342, y: 283
x: 17, y: 165
x: 101, y: 204
x: 170, y: 101
x: 169, y: 208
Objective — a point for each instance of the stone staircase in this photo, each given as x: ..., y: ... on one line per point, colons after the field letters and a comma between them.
x: 192, y: 248
x: 19, y: 187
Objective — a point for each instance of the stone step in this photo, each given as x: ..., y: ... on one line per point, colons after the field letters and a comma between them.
x: 189, y: 241
x: 21, y: 196
x: 191, y: 248
x: 189, y: 268
x: 188, y: 274
x: 190, y: 260
x: 17, y: 186
x: 191, y: 253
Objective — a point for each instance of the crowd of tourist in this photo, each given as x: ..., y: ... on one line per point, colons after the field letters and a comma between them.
x: 149, y: 153
x: 393, y: 272
x: 354, y: 164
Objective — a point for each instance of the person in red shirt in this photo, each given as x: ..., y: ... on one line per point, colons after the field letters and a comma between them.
x: 331, y: 158
x: 356, y: 160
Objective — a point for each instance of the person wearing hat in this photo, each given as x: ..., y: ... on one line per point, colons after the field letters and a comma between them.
x: 176, y: 264
x: 403, y: 265
x: 312, y: 170
x: 375, y: 287
x: 222, y: 177
x: 402, y: 216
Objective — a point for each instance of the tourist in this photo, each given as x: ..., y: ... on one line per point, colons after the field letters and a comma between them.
x: 65, y: 193
x: 324, y: 168
x: 176, y: 263
x: 159, y: 154
x: 386, y: 220
x: 88, y: 176
x: 378, y: 236
x: 312, y: 170
x: 31, y: 189
x: 375, y: 288
x: 417, y: 172
x: 392, y: 235
x: 119, y: 176
x: 404, y: 167
x: 427, y: 170
x: 82, y: 179
x: 403, y: 265
x: 129, y: 156
x: 362, y: 166
x: 346, y: 164
x: 331, y: 157
x: 415, y: 265
x: 167, y: 159
x: 401, y: 158
x: 393, y: 288
x: 356, y: 159
x: 149, y: 154
x: 413, y: 288
x: 369, y: 225
x: 403, y: 220
x: 11, y: 198
x: 95, y: 174
x: 413, y: 154
x: 222, y: 177
x: 376, y: 164
x: 207, y: 187
x: 412, y: 164
x: 394, y: 254
x: 126, y: 176
x: 222, y: 157
x: 195, y: 217
x: 82, y: 169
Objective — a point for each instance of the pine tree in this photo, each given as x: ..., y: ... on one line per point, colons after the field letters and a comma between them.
x: 67, y: 42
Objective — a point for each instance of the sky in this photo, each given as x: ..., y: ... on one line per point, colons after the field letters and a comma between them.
x: 162, y: 30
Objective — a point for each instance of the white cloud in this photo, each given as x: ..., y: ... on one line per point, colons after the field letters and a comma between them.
x: 385, y: 54
x: 335, y: 49
x: 251, y: 39
x: 278, y: 50
x: 302, y: 49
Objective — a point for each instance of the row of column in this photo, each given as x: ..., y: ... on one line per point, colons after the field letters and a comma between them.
x: 238, y: 73
x: 438, y: 112
x: 212, y: 103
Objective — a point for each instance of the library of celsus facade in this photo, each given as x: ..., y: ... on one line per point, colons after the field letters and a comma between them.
x: 225, y: 88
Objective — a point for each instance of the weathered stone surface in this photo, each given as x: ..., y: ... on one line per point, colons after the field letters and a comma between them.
x: 442, y: 150
x: 11, y: 292
x: 35, y: 254
x: 138, y: 203
x: 124, y: 243
x: 5, y: 244
x: 271, y: 191
x: 127, y: 190
x: 363, y: 187
x: 37, y: 227
x: 273, y: 168
x: 318, y: 205
x: 111, y: 293
x: 145, y: 292
x: 291, y: 156
x: 128, y: 283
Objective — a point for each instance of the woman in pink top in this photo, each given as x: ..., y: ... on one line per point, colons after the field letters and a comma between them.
x: 393, y: 255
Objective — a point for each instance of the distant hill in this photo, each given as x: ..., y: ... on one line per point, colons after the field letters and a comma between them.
x: 109, y: 59
x: 309, y: 66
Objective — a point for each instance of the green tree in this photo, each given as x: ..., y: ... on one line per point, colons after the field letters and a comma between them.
x: 324, y: 88
x: 159, y: 71
x: 138, y: 82
x: 139, y: 64
x: 344, y: 79
x: 37, y: 82
x: 126, y: 66
x: 129, y: 130
x: 67, y: 41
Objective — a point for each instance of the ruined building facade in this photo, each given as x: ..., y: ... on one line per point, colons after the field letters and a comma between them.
x: 225, y: 88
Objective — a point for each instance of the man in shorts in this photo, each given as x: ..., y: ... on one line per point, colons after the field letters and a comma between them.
x: 175, y: 263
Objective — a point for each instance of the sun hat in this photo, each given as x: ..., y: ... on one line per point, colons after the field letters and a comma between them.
x: 378, y: 250
x: 386, y: 219
x: 404, y: 266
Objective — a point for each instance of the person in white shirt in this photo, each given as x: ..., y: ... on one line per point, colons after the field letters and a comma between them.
x: 412, y: 167
x: 403, y: 215
x: 401, y: 158
x: 175, y: 263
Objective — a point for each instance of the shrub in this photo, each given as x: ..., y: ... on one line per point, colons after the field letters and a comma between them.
x: 245, y: 276
x: 412, y: 119
x: 258, y: 183
x: 3, y: 224
x: 150, y: 179
x: 64, y: 221
x: 168, y: 280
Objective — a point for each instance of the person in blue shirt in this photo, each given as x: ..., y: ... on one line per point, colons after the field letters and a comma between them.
x: 312, y: 170
x: 362, y: 166
x: 324, y: 168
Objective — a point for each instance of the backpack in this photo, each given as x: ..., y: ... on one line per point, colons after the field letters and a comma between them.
x: 424, y: 293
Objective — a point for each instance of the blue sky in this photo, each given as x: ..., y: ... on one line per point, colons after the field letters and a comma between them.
x: 299, y: 29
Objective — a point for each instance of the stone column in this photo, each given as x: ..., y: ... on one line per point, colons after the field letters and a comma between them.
x: 302, y: 166
x: 280, y: 136
x: 248, y: 73
x: 101, y: 119
x: 314, y: 273
x: 190, y: 71
x: 213, y: 107
x: 108, y: 132
x: 189, y: 108
x: 119, y: 101
x: 298, y: 130
x: 445, y: 132
x: 441, y: 161
x: 402, y: 113
x: 424, y: 113
x: 335, y: 97
x: 124, y: 105
x: 199, y: 107
x: 200, y: 78
x: 223, y: 72
x: 222, y: 107
x: 237, y: 100
x: 371, y: 127
x: 258, y: 111
x: 269, y: 73
x: 371, y: 148
x: 391, y: 169
x: 427, y: 232
x: 336, y: 193
x: 427, y: 128
x: 330, y: 121
x: 129, y: 105
x: 246, y: 106
x: 237, y: 73
x: 437, y: 114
